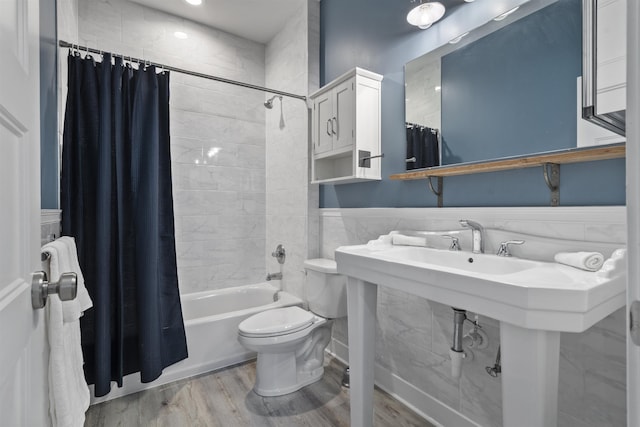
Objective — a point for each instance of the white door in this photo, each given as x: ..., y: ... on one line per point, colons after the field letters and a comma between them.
x: 633, y: 202
x: 23, y: 385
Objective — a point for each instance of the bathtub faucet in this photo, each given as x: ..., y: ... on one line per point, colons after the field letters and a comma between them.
x: 274, y: 276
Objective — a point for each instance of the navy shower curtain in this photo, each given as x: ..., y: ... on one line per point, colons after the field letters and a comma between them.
x: 117, y: 202
x: 422, y: 145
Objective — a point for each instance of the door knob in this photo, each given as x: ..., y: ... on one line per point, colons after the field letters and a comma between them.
x: 66, y: 288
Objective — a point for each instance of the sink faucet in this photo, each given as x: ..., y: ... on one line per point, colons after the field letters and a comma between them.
x: 477, y: 246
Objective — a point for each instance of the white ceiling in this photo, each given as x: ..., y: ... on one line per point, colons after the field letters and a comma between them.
x: 257, y: 20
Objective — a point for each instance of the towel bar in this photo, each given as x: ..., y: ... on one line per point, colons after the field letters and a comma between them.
x: 364, y: 158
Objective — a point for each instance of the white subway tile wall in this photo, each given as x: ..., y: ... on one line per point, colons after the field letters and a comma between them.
x: 292, y: 203
x: 217, y: 133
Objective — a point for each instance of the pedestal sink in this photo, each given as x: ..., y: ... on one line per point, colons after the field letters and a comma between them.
x: 533, y: 300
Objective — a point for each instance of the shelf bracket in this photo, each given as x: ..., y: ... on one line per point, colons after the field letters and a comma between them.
x: 551, y: 173
x: 439, y: 191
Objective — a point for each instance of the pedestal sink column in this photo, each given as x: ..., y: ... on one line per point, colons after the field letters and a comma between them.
x: 530, y: 361
x: 361, y: 303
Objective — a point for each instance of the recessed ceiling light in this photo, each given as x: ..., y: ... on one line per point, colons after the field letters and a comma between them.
x: 194, y: 2
x: 181, y: 35
x: 504, y: 15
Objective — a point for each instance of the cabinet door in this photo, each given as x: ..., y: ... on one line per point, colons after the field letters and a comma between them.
x: 344, y: 115
x: 323, y: 111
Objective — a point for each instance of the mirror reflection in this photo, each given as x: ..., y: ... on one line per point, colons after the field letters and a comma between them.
x: 507, y: 89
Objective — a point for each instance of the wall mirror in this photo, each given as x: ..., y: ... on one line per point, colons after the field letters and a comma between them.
x: 508, y: 88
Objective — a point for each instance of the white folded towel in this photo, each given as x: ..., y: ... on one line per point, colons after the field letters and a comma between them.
x: 401, y: 239
x: 590, y: 261
x: 380, y: 243
x: 69, y: 395
x: 615, y: 265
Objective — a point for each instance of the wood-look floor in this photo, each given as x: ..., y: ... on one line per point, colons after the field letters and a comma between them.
x: 225, y: 398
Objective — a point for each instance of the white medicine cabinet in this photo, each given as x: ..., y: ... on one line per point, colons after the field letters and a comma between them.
x: 346, y: 129
x: 604, y: 68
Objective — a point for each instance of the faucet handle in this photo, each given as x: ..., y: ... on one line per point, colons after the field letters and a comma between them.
x: 280, y: 254
x: 503, y: 250
x: 455, y: 242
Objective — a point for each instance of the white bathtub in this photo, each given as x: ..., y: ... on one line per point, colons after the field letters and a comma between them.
x: 211, y: 320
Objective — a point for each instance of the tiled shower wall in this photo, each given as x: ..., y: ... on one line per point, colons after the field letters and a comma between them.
x: 217, y: 133
x: 49, y: 225
x: 292, y: 203
x: 414, y: 334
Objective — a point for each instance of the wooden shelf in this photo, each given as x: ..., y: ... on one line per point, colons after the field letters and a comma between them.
x: 577, y: 155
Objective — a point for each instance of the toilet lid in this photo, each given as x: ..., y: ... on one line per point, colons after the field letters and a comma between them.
x: 274, y: 322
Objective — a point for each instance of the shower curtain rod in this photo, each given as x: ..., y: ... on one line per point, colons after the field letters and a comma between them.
x: 65, y: 44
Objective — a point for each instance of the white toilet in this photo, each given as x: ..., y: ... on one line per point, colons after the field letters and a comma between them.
x: 290, y: 341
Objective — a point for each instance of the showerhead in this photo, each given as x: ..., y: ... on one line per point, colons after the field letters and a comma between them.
x: 268, y: 104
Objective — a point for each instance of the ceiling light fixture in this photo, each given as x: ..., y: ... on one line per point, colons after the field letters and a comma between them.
x: 504, y: 15
x: 194, y: 2
x: 180, y: 35
x: 424, y: 15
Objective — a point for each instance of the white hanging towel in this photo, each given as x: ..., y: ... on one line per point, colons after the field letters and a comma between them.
x: 69, y: 395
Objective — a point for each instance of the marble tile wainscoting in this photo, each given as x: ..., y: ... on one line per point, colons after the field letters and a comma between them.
x: 413, y: 335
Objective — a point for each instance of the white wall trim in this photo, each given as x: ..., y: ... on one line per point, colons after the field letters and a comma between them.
x: 50, y: 216
x: 411, y: 396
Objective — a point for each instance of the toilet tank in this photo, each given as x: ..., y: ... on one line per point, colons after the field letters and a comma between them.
x: 325, y: 289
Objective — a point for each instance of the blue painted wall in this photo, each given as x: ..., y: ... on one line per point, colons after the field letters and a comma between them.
x: 373, y: 34
x: 49, y: 177
x: 528, y: 70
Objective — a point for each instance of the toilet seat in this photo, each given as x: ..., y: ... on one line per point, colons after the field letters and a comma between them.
x: 276, y: 322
